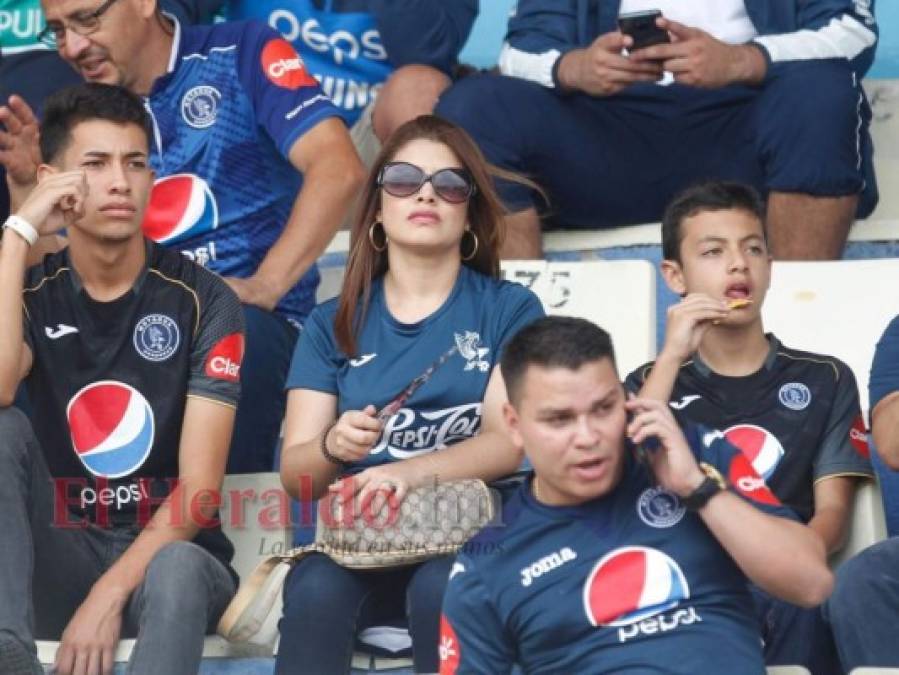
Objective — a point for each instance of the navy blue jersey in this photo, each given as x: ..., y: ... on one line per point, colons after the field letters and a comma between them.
x: 478, y: 317
x: 226, y: 114
x: 110, y: 380
x: 797, y: 419
x: 628, y: 583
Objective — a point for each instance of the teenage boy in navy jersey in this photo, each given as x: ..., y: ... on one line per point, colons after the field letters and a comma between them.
x: 610, y: 564
x: 794, y: 414
x: 131, y: 355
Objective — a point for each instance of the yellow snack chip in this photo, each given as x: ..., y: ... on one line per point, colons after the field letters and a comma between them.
x: 739, y: 303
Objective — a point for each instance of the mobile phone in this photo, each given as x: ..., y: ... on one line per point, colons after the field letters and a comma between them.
x: 649, y: 446
x: 641, y: 27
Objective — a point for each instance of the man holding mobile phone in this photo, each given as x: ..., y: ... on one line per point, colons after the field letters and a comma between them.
x: 603, y: 566
x: 582, y: 114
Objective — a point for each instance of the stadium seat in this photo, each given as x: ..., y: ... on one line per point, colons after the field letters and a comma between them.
x: 868, y: 523
x: 618, y: 295
x: 253, y: 540
x: 331, y: 280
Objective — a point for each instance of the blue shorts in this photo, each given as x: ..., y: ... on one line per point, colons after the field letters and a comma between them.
x: 619, y: 160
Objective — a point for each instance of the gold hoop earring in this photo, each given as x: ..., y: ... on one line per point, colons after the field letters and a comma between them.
x: 474, y: 249
x: 371, y: 237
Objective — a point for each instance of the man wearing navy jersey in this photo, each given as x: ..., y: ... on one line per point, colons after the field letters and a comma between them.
x: 795, y: 415
x: 255, y: 170
x: 607, y: 563
x: 131, y: 354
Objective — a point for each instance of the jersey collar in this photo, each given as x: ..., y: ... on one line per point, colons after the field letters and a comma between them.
x: 702, y: 368
x: 176, y: 42
x: 78, y: 285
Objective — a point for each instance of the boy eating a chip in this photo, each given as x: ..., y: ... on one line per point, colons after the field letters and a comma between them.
x: 795, y: 415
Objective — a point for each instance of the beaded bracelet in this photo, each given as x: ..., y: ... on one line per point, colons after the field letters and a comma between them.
x: 324, y: 446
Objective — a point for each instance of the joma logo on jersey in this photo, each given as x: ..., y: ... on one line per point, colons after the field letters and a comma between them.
x: 407, y: 433
x: 546, y: 564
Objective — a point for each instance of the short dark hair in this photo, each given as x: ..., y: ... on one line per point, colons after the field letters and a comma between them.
x: 553, y: 342
x: 68, y: 107
x: 708, y: 196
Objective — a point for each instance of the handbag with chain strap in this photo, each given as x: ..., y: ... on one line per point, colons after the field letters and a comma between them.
x: 431, y: 521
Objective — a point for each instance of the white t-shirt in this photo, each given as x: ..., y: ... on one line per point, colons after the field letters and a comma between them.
x: 727, y: 20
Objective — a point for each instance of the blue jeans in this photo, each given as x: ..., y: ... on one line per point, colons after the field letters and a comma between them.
x: 46, y: 571
x: 864, y: 608
x: 326, y: 605
x: 794, y: 636
x: 270, y: 340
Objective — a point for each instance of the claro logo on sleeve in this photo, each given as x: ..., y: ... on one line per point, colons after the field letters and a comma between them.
x: 224, y: 359
x: 283, y: 66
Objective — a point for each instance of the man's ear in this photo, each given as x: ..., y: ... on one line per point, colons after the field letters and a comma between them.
x: 44, y: 171
x: 147, y: 8
x: 673, y: 274
x: 510, y: 415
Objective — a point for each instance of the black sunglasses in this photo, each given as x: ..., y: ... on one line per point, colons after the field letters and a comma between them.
x: 402, y: 179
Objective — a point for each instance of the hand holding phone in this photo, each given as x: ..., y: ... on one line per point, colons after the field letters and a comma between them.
x: 642, y: 29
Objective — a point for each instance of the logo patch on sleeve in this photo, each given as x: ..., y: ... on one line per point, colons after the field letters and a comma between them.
x: 858, y: 436
x: 748, y: 483
x: 224, y: 359
x: 283, y: 66
x: 449, y: 648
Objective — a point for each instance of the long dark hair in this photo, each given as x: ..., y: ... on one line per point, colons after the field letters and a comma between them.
x: 486, y: 217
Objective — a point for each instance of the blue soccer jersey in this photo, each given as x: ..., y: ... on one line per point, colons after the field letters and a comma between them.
x: 628, y: 583
x: 341, y: 46
x: 234, y: 100
x: 478, y: 318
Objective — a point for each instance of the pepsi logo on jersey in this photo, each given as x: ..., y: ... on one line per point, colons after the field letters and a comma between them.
x: 632, y: 587
x: 409, y: 432
x: 283, y: 66
x: 224, y: 359
x: 760, y: 446
x: 112, y: 428
x: 342, y: 43
x: 181, y: 206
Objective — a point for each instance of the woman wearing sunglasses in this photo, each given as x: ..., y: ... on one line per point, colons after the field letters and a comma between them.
x: 396, y: 383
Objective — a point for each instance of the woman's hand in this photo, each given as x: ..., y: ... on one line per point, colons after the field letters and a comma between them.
x: 371, y: 490
x: 354, y: 434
